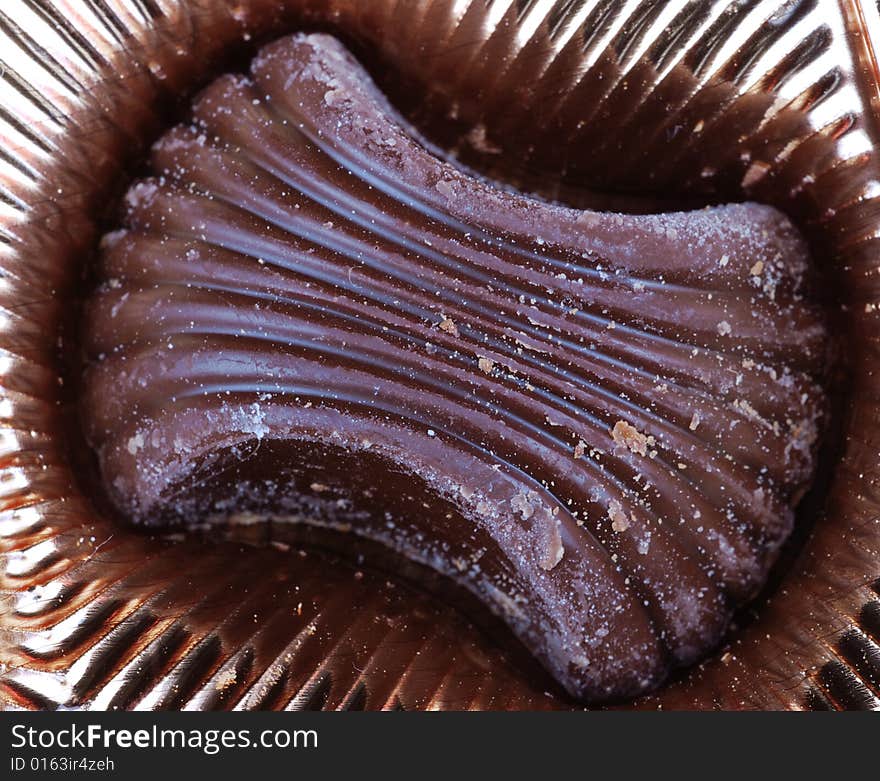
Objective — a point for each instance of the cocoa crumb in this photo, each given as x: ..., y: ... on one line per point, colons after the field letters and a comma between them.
x: 619, y: 521
x: 625, y: 434
x: 522, y: 504
x: 448, y: 325
x: 553, y: 550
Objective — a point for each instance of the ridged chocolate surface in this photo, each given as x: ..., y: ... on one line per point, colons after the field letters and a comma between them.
x: 598, y: 423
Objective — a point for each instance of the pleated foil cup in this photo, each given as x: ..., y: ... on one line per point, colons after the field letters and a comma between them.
x: 692, y: 102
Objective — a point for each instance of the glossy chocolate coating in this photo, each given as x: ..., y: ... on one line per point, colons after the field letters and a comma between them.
x: 598, y: 423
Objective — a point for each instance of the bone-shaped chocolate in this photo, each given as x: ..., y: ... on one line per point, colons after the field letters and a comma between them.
x: 598, y: 423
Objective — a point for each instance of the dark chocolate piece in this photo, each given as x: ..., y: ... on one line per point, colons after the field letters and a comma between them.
x: 598, y: 423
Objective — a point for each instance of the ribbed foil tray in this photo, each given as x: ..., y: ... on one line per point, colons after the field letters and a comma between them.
x: 689, y: 101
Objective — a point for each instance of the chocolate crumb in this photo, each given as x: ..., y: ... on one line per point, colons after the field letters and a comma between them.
x: 625, y: 434
x: 448, y: 325
x: 619, y: 521
x: 487, y: 365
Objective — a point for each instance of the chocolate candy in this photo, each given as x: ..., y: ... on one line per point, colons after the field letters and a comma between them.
x: 598, y: 423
